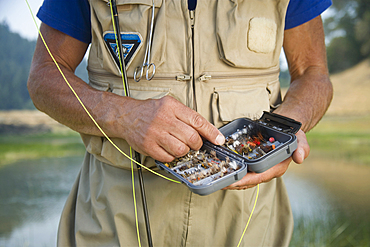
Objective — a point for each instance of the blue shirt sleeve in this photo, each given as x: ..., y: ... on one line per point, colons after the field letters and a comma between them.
x: 71, y: 17
x: 302, y: 11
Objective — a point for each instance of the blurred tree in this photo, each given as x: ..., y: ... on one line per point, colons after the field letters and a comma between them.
x: 349, y: 33
x: 15, y: 61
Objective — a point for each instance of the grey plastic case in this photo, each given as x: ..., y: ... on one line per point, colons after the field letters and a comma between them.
x: 282, y: 129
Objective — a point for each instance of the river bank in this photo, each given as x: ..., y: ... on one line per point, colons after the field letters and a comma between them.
x: 32, y: 134
x: 29, y: 135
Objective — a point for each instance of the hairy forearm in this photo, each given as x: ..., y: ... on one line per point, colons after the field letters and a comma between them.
x: 310, y: 91
x: 308, y: 97
x: 51, y: 94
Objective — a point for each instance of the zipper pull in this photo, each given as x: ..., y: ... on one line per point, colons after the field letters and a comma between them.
x: 183, y: 77
x: 110, y: 88
x: 192, y: 20
x: 205, y: 77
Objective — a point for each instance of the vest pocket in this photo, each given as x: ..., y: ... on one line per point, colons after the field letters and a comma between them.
x: 249, y: 33
x: 232, y: 103
x: 135, y: 20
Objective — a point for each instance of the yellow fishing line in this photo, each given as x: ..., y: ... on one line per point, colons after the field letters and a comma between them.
x: 126, y: 94
x: 134, y: 198
x: 250, y: 216
x: 88, y: 113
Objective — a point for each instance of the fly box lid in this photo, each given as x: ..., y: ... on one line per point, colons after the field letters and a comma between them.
x: 280, y: 122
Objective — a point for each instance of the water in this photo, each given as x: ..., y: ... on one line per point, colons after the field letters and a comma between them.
x: 330, y: 202
x: 32, y: 197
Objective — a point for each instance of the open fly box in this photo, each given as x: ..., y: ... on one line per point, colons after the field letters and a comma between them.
x: 207, y: 170
x: 262, y: 143
x: 254, y: 145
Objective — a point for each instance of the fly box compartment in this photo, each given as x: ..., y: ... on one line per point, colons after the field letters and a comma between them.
x: 261, y: 143
x: 207, y: 170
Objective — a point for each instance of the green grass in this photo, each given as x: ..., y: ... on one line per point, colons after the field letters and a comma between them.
x: 341, y: 230
x: 339, y: 138
x: 21, y: 147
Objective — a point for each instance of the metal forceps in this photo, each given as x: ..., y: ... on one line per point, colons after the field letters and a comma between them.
x: 138, y: 73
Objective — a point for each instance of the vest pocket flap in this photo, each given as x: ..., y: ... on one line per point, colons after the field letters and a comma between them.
x: 143, y: 93
x: 157, y: 3
x: 238, y: 103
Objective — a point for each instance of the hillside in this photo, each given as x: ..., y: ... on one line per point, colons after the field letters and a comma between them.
x: 351, y: 89
x: 28, y: 122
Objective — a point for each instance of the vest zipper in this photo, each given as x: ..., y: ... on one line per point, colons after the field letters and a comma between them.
x: 192, y: 22
x: 206, y: 77
x: 183, y: 78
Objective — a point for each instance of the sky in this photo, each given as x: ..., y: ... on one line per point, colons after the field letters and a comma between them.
x: 18, y: 16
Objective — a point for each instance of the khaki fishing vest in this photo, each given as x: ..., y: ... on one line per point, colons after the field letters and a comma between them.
x: 221, y: 60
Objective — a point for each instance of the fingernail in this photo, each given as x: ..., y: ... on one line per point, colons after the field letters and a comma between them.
x: 220, y: 139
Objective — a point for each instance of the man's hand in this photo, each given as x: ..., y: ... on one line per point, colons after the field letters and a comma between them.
x: 164, y: 128
x: 161, y: 128
x: 308, y: 97
x: 252, y: 179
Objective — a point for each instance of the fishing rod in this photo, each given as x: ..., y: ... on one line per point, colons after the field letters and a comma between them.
x: 127, y: 93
